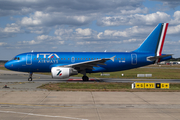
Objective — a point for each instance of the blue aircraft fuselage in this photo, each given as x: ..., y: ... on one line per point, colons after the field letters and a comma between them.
x: 44, y: 61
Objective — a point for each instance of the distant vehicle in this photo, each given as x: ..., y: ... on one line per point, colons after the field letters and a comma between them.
x: 65, y: 64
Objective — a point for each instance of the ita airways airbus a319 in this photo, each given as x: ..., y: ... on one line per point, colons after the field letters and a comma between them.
x: 65, y: 64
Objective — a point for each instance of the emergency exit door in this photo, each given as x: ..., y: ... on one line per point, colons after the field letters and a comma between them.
x: 134, y: 59
x: 28, y: 59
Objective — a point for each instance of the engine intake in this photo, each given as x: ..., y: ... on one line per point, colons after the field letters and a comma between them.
x: 63, y: 72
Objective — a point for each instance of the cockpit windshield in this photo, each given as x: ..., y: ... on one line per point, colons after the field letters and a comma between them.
x: 16, y: 58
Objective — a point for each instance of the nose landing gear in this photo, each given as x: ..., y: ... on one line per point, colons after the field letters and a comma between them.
x: 30, y: 76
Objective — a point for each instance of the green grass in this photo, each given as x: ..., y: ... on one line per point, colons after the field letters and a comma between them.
x: 3, y: 68
x: 98, y: 86
x: 85, y: 86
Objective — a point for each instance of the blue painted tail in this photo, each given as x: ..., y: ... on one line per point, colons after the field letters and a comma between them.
x: 155, y: 41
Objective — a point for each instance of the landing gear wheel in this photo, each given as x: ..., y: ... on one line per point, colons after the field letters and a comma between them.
x: 30, y: 76
x: 30, y: 79
x: 85, y: 78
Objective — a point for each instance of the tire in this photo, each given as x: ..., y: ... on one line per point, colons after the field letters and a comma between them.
x: 85, y: 78
x: 30, y: 79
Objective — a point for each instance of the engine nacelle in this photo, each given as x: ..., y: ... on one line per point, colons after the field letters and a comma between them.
x: 63, y: 72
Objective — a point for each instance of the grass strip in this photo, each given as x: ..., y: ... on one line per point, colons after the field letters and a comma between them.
x: 98, y: 86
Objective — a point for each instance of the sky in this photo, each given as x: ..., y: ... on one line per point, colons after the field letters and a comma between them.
x: 85, y: 25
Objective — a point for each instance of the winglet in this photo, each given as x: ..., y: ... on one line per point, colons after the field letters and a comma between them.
x: 112, y: 58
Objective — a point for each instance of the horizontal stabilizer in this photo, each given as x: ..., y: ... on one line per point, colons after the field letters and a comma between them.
x: 158, y: 57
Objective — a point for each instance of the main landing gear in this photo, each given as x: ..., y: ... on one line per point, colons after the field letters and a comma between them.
x: 30, y: 76
x: 84, y: 78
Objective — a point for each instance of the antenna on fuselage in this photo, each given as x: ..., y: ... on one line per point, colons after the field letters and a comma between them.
x: 32, y: 51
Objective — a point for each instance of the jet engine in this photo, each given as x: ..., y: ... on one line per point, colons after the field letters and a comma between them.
x: 63, y: 72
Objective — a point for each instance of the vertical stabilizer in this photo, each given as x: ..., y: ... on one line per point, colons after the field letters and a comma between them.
x: 155, y: 41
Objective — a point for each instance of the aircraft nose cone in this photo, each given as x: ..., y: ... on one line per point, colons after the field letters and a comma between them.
x: 7, y: 65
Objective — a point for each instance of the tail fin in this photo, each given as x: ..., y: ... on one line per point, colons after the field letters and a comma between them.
x: 155, y: 41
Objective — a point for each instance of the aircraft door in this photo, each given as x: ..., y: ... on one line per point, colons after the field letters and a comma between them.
x: 28, y: 59
x: 133, y: 59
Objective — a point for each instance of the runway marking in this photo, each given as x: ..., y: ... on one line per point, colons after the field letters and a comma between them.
x: 40, y: 115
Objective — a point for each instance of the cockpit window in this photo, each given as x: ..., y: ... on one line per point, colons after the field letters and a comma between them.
x: 16, y: 58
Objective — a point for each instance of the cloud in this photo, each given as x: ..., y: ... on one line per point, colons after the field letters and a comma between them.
x: 134, y: 31
x: 170, y: 3
x: 174, y: 30
x: 14, y: 7
x: 176, y: 19
x: 135, y: 11
x: 42, y: 37
x: 32, y: 42
x: 83, y: 32
x: 61, y: 31
x: 3, y: 43
x: 10, y: 30
x: 38, y: 29
x: 137, y: 19
x: 56, y: 18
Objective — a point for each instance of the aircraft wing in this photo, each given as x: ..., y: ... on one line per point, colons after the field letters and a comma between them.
x: 90, y: 64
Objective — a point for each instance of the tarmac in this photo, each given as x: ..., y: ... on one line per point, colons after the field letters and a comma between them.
x: 24, y: 101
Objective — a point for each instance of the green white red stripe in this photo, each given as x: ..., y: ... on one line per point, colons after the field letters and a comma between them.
x: 162, y: 38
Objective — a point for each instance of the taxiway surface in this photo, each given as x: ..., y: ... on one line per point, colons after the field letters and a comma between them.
x: 24, y: 101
